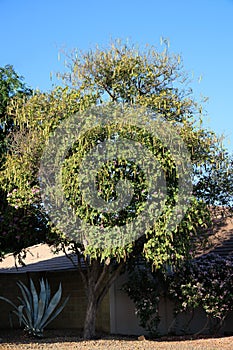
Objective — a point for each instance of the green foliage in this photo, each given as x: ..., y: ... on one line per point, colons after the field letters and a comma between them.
x: 125, y: 73
x: 215, y: 180
x: 11, y: 85
x: 22, y: 222
x: 37, y: 310
x: 19, y: 226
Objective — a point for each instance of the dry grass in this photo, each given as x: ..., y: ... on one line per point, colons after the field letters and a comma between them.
x: 15, y: 340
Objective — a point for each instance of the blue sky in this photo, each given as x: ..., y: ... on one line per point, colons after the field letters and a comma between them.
x: 32, y: 33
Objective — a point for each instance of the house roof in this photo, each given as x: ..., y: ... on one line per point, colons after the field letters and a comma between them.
x: 220, y: 238
x: 39, y: 257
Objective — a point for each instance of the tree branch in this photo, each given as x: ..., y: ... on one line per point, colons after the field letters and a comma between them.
x: 109, y: 282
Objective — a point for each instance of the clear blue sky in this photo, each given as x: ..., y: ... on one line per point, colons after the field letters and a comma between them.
x: 32, y: 32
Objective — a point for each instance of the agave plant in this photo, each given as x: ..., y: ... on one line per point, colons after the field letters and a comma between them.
x: 36, y: 311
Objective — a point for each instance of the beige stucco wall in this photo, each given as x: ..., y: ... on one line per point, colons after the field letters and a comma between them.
x: 123, y: 319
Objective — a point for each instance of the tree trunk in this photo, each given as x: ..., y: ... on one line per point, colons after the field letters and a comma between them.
x: 90, y: 319
x: 97, y: 281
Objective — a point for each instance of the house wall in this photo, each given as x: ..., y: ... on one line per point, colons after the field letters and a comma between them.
x: 123, y: 319
x: 116, y: 314
x: 122, y: 311
x: 73, y: 314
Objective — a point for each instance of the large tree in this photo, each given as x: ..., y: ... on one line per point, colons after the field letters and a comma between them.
x: 120, y: 76
x: 19, y: 228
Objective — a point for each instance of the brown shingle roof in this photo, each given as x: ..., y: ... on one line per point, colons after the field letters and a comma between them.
x: 39, y: 257
x: 220, y: 238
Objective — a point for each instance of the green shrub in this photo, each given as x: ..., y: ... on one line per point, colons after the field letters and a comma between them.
x: 144, y: 288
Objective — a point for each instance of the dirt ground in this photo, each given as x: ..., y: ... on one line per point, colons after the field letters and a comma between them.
x: 54, y: 341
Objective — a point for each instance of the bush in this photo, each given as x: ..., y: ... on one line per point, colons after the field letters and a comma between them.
x: 205, y: 282
x: 144, y: 288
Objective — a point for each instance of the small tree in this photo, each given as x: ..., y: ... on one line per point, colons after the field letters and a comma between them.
x: 120, y: 74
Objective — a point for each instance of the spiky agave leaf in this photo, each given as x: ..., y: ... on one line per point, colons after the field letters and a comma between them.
x: 41, y: 303
x: 26, y: 293
x: 9, y: 302
x: 48, y: 293
x: 52, y: 305
x: 27, y: 302
x: 20, y: 313
x: 57, y: 312
x: 34, y: 301
x: 27, y: 311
